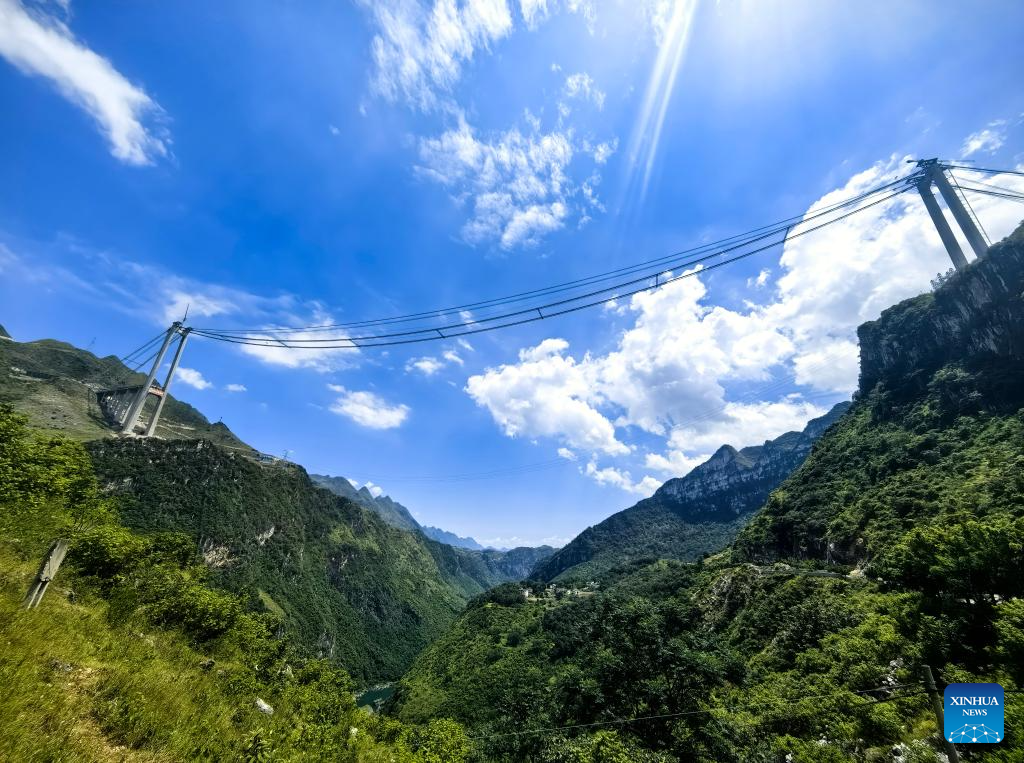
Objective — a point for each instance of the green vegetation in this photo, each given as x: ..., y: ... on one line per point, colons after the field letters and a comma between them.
x: 688, y: 517
x: 132, y: 656
x: 54, y: 384
x: 353, y: 588
x: 898, y: 543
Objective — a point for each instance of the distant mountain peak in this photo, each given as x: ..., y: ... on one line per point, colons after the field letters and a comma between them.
x: 687, y: 516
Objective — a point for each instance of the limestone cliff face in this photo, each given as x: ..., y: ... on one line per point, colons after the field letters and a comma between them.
x: 690, y: 515
x: 936, y: 432
x: 978, y: 314
x: 735, y: 482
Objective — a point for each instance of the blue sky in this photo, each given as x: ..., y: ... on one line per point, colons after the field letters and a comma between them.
x: 292, y: 164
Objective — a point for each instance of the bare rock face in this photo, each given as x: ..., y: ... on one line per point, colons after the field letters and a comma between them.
x: 691, y: 515
x: 977, y: 314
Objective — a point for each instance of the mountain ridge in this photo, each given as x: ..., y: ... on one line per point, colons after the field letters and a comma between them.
x: 692, y: 515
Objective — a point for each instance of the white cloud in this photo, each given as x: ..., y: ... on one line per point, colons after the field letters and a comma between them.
x: 567, y: 454
x: 419, y: 51
x: 517, y: 182
x: 375, y: 490
x: 988, y: 140
x: 236, y: 388
x: 42, y: 45
x: 603, y: 151
x: 427, y: 366
x: 581, y: 86
x: 430, y: 365
x: 274, y: 348
x: 546, y: 395
x: 669, y: 372
x: 368, y: 409
x: 534, y: 12
x: 609, y: 475
x: 760, y: 280
x: 192, y: 378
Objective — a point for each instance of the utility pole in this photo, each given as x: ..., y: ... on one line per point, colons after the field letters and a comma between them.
x: 167, y: 382
x: 933, y: 694
x: 140, y: 399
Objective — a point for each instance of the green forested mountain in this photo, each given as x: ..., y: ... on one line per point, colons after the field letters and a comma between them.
x: 689, y: 516
x: 133, y: 656
x: 349, y: 586
x: 896, y: 544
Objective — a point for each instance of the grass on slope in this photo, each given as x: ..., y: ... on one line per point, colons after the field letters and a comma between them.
x: 131, y: 656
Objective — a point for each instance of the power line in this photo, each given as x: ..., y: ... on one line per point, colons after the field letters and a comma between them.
x: 667, y: 261
x: 664, y: 716
x: 533, y: 314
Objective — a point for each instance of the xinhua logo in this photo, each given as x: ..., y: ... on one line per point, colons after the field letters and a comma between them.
x: 974, y: 713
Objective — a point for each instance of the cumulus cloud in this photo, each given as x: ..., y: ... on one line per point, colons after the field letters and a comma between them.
x: 419, y: 50
x: 236, y: 388
x: 669, y: 371
x: 989, y: 140
x: 367, y: 408
x: 546, y: 394
x: 429, y: 365
x: 192, y: 378
x: 609, y: 475
x: 42, y: 45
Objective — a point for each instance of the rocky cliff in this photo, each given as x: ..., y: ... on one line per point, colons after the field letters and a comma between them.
x: 935, y: 436
x: 692, y: 515
x: 977, y: 315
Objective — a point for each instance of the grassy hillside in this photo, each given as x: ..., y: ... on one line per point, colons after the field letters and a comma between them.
x: 131, y: 656
x: 896, y: 544
x: 349, y: 586
x: 55, y: 385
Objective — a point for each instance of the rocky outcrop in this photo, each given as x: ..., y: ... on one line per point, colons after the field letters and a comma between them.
x: 692, y: 515
x: 977, y: 315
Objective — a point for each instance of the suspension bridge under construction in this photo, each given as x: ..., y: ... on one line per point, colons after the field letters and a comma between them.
x: 125, y: 405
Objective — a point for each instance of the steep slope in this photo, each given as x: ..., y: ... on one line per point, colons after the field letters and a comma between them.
x: 897, y: 543
x: 350, y: 586
x: 692, y: 515
x: 55, y: 385
x: 936, y: 433
x: 475, y: 567
x: 443, y: 536
x: 131, y: 656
